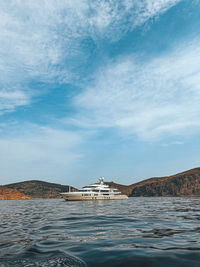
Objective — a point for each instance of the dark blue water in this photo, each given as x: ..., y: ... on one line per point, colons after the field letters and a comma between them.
x: 135, y: 232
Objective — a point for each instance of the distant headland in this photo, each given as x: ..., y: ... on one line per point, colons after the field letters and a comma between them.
x: 182, y: 184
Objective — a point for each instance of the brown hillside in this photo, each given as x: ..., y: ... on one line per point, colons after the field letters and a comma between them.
x: 40, y: 189
x: 182, y: 184
x: 8, y: 193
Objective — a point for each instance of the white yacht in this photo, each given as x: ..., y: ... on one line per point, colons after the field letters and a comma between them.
x: 96, y: 191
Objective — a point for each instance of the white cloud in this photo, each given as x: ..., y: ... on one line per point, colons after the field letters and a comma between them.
x: 113, y: 18
x: 37, y: 152
x: 177, y: 143
x: 10, y: 99
x: 152, y: 100
x: 40, y: 39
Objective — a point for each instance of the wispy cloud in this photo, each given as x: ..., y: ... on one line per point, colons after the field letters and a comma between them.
x: 114, y: 18
x: 42, y: 40
x: 38, y: 152
x: 177, y: 143
x: 10, y: 99
x: 152, y: 100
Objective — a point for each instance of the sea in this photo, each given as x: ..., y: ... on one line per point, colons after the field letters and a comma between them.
x: 139, y: 232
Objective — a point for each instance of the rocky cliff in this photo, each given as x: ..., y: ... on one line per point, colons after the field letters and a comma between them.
x: 9, y: 193
x: 40, y: 189
x: 182, y: 184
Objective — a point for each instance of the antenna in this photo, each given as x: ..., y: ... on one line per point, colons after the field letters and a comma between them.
x: 101, y: 180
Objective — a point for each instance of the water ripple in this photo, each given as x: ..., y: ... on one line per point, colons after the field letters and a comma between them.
x: 137, y: 232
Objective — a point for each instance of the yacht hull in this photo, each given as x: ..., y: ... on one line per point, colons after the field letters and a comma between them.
x: 80, y: 197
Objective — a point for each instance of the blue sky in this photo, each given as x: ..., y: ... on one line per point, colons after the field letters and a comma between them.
x: 98, y: 88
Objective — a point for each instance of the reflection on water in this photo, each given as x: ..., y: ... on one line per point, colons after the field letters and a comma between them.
x: 133, y: 232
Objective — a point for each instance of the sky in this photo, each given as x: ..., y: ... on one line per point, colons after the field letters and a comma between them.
x: 98, y: 88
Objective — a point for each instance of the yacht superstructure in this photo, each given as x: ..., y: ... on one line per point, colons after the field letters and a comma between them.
x: 96, y: 191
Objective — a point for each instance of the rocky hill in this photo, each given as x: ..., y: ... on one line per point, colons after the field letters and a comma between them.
x: 9, y: 193
x: 182, y: 184
x: 40, y: 189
